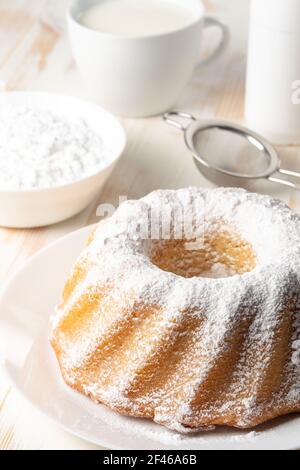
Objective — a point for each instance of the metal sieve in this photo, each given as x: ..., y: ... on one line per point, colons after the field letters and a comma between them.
x: 228, y: 154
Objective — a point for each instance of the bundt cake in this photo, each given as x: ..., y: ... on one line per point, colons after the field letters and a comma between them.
x: 184, y: 308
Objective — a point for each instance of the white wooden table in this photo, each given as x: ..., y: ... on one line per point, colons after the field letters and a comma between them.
x: 35, y: 55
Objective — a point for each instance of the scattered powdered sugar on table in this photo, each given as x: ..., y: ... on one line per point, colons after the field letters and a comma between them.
x: 42, y: 149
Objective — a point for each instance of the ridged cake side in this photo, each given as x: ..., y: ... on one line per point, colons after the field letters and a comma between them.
x: 187, y: 353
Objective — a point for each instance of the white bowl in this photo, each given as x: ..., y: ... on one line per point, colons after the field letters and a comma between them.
x: 41, y: 207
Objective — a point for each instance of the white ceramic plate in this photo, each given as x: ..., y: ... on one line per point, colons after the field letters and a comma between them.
x: 26, y: 305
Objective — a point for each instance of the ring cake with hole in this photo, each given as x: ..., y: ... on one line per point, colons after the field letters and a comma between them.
x: 184, y: 308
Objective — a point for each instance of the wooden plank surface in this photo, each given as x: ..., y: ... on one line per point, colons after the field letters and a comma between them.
x: 35, y: 55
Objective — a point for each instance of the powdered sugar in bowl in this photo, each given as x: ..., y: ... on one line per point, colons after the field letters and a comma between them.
x: 56, y: 152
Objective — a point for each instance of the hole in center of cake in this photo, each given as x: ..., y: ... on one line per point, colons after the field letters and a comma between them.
x: 217, y: 255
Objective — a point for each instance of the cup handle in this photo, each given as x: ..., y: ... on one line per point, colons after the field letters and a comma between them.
x: 213, y: 22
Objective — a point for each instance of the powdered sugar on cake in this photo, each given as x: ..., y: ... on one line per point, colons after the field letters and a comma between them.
x: 218, y: 304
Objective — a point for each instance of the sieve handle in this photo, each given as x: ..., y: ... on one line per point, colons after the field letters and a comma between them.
x: 295, y: 174
x: 289, y: 184
x: 169, y: 119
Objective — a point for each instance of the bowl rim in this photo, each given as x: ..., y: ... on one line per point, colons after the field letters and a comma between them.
x: 116, y: 122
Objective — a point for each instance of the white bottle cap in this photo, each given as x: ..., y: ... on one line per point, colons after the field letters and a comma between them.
x: 279, y: 15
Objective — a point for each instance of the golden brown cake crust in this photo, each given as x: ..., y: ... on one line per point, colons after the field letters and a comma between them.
x: 151, y: 329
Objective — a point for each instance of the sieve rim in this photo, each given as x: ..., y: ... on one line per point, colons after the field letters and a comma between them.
x: 198, y: 126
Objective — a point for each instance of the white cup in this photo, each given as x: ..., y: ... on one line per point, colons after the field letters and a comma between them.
x: 140, y: 76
